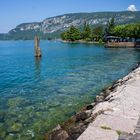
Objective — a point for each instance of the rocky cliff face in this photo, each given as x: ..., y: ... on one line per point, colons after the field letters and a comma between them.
x: 55, y: 25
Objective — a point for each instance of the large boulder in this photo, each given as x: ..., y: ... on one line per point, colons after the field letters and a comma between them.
x: 81, y: 116
x: 76, y: 131
x: 58, y: 134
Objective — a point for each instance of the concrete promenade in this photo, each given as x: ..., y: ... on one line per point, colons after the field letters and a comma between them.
x: 120, y: 120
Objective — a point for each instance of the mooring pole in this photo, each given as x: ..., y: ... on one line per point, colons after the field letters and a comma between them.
x: 36, y: 47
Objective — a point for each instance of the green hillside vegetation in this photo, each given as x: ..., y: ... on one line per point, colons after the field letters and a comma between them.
x: 87, y: 33
x: 129, y: 30
x: 98, y: 33
x: 93, y: 30
x: 72, y: 34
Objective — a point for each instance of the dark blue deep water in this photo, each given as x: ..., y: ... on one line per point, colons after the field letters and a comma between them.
x: 37, y: 94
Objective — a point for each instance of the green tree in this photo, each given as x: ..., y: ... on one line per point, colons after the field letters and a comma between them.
x: 86, y: 33
x: 97, y: 33
x: 72, y: 34
x: 64, y: 35
x: 110, y: 26
x: 130, y: 30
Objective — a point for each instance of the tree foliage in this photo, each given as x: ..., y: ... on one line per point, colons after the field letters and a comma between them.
x: 130, y: 30
x: 87, y: 32
x: 110, y: 26
x: 97, y: 33
x: 72, y: 34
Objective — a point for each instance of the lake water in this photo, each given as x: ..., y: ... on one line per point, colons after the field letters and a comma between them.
x: 37, y: 94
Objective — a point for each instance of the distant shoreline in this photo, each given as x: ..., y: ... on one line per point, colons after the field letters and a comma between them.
x: 64, y: 41
x: 81, y: 41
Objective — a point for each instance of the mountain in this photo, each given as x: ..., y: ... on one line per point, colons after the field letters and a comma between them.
x: 52, y: 27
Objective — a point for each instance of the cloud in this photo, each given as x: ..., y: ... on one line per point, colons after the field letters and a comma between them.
x: 132, y: 8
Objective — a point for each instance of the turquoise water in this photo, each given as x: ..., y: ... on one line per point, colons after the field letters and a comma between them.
x: 37, y: 94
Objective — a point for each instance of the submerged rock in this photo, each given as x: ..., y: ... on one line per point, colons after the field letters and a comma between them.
x: 15, y: 102
x: 2, y: 131
x: 16, y: 127
x: 2, y: 116
x: 12, y: 137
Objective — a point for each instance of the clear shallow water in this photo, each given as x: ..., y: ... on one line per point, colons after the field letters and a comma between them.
x: 37, y: 94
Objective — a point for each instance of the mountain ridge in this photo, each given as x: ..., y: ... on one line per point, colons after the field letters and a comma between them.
x: 52, y: 27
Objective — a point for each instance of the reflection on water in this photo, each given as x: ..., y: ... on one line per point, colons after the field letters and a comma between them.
x: 37, y: 68
x: 38, y: 93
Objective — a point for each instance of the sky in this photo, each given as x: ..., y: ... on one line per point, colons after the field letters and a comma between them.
x: 15, y: 12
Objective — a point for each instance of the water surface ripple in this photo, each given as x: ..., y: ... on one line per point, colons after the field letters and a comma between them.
x: 36, y: 94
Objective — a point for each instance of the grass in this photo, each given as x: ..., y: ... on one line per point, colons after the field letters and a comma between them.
x: 118, y: 132
x: 105, y: 127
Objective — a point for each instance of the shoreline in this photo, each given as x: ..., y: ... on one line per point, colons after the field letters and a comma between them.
x: 120, y: 118
x: 60, y: 40
x: 81, y: 41
x: 77, y: 126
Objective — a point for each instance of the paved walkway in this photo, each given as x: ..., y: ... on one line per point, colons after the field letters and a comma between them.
x: 135, y: 136
x: 120, y: 119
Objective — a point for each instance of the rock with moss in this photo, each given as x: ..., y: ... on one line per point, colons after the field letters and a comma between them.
x: 12, y: 137
x: 15, y: 102
x: 16, y: 127
x: 2, y: 116
x: 2, y: 131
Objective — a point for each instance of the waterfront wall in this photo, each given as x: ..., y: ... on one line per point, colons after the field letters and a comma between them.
x: 121, y: 110
x: 120, y: 44
x: 114, y: 113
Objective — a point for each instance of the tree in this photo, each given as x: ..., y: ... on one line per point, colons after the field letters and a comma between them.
x: 72, y: 34
x: 97, y: 33
x: 129, y: 30
x: 64, y: 35
x: 110, y: 26
x: 86, y: 34
x: 112, y: 23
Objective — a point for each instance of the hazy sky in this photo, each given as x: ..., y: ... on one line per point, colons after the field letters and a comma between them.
x: 14, y: 12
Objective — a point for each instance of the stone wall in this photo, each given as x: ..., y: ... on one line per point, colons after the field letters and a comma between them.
x: 120, y: 44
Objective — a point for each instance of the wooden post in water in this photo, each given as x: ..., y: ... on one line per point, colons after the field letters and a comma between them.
x: 36, y: 47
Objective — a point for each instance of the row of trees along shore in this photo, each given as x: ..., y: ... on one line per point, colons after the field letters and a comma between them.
x: 98, y: 33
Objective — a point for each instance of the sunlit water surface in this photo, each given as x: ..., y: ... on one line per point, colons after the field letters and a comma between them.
x: 37, y: 94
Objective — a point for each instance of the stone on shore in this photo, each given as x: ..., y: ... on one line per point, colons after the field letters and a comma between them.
x: 81, y: 116
x: 89, y: 107
x: 58, y: 134
x: 99, y: 98
x: 116, y: 116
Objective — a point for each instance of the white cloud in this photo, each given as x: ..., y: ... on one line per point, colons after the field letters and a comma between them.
x: 132, y: 8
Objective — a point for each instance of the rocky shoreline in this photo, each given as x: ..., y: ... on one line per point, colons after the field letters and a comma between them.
x: 76, y: 125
